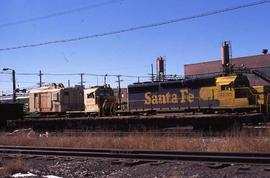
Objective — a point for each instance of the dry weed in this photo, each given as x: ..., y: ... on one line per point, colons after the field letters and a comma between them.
x: 236, y: 143
x: 12, y: 166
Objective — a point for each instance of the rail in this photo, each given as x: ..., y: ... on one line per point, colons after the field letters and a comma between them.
x: 232, y: 157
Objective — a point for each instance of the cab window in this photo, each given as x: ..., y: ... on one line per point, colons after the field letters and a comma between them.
x: 225, y: 87
x: 55, y: 97
x: 91, y: 95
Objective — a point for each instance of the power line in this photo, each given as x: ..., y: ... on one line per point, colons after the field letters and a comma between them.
x: 6, y: 81
x: 76, y: 74
x: 61, y: 74
x: 5, y: 73
x: 26, y: 73
x: 56, y: 14
x: 140, y: 27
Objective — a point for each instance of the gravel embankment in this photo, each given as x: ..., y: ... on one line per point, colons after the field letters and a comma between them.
x: 114, y: 168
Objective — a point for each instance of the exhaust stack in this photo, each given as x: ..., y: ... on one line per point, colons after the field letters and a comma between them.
x: 160, y: 68
x: 226, y: 57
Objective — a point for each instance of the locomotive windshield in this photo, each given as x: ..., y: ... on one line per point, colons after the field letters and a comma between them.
x: 104, y: 93
x: 90, y: 95
x: 241, y: 81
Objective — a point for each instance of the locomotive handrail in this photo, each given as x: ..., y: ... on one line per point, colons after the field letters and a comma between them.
x: 257, y: 94
x: 252, y: 93
x: 249, y: 90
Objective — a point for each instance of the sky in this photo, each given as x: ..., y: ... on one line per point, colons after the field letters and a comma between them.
x: 130, y: 53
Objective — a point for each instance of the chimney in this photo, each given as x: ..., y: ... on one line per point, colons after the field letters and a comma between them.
x: 225, y: 53
x: 225, y: 57
x: 160, y: 68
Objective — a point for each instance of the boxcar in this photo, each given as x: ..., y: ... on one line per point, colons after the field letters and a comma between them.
x: 56, y: 99
x: 10, y: 111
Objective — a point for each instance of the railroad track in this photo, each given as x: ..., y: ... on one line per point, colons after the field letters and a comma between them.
x: 181, y: 133
x: 229, y: 157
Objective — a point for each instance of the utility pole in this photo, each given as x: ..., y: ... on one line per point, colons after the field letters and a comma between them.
x: 105, y: 76
x: 119, y: 90
x: 40, y: 78
x: 14, y: 85
x: 68, y: 83
x: 152, y: 73
x: 82, y: 80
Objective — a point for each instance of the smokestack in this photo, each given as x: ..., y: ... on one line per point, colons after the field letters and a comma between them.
x: 160, y: 68
x: 225, y: 59
x: 225, y: 52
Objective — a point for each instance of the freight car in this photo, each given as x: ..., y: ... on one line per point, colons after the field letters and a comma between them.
x: 55, y: 99
x: 10, y: 111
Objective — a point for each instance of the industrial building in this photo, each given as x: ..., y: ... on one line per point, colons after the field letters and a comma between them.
x: 258, y: 63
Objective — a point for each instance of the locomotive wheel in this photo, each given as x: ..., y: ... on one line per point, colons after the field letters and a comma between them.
x: 113, y: 109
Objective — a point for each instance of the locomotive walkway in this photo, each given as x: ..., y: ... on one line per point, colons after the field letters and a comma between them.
x: 229, y: 157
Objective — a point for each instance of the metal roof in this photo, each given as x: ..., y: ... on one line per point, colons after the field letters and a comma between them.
x: 226, y: 80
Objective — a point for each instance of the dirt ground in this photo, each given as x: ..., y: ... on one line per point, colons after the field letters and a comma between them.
x: 118, y: 168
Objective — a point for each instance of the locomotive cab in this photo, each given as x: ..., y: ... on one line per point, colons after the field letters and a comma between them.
x: 99, y: 100
x: 234, y: 91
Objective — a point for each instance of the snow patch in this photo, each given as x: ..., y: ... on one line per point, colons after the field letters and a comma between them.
x: 29, y: 174
x: 51, y: 176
